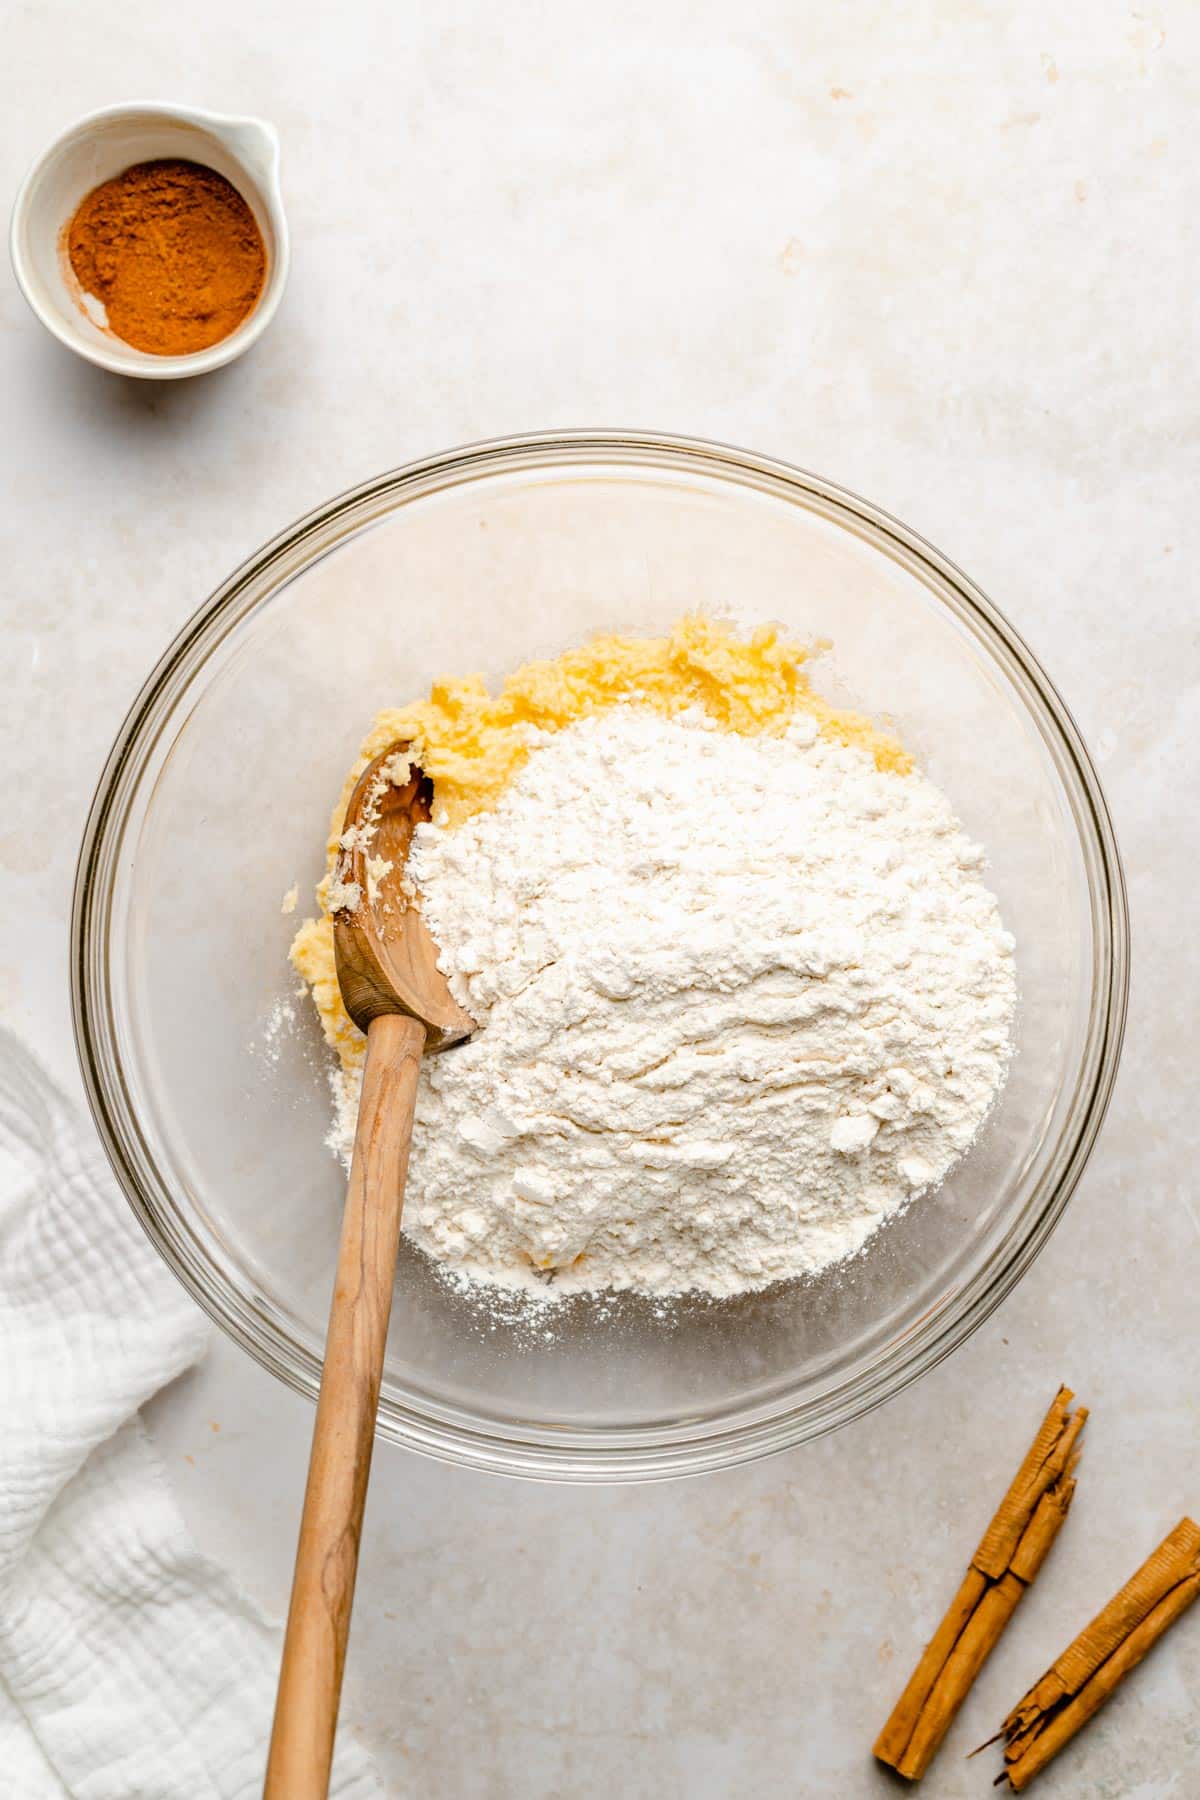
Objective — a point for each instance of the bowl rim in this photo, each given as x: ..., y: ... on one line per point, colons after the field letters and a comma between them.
x: 144, y: 366
x: 614, y: 1454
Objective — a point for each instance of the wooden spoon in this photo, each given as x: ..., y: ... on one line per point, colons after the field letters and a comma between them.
x: 394, y: 991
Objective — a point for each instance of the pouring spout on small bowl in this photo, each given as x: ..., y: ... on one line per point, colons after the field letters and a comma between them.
x: 255, y: 143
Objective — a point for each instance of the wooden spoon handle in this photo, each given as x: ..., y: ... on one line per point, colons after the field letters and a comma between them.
x: 314, y: 1648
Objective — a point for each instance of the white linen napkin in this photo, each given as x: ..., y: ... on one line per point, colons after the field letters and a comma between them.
x: 130, y: 1667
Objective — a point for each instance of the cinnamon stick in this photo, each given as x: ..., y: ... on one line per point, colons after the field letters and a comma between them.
x: 1011, y: 1552
x: 1091, y: 1668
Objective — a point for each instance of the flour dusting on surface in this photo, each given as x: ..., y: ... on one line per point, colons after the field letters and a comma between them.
x: 740, y: 998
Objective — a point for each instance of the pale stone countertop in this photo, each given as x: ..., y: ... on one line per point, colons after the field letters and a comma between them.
x: 943, y: 253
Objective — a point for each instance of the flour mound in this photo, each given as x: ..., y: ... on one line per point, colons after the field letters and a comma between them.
x: 740, y: 999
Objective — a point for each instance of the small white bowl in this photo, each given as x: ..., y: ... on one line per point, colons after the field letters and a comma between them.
x: 245, y: 151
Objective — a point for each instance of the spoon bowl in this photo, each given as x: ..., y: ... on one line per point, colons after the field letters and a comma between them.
x: 386, y: 958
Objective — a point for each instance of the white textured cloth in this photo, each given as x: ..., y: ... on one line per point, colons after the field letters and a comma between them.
x: 130, y: 1667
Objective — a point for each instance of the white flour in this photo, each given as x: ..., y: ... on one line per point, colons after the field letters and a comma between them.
x: 739, y: 999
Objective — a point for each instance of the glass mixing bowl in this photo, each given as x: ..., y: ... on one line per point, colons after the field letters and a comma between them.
x: 215, y: 800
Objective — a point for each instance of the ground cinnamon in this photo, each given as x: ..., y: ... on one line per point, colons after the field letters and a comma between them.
x: 173, y: 252
x: 1012, y: 1551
